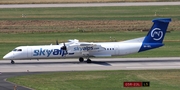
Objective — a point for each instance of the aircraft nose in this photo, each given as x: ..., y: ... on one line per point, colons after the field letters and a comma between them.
x: 8, y: 56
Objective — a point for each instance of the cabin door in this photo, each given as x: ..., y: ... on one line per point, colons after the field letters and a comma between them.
x: 116, y: 51
x: 29, y: 52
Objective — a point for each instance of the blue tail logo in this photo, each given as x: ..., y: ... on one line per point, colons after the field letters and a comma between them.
x: 156, y: 34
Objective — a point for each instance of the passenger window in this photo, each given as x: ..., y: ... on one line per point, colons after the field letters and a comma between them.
x: 110, y: 48
x: 107, y: 48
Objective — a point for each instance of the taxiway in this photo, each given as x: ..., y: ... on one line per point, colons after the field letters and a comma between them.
x: 88, y: 4
x: 97, y: 64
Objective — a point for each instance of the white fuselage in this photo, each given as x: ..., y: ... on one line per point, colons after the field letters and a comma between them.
x: 54, y: 51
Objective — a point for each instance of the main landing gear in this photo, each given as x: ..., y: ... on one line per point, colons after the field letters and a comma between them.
x: 82, y: 60
x: 12, y: 62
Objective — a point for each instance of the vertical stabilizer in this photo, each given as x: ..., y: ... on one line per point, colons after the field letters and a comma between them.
x: 156, y: 34
x: 157, y: 31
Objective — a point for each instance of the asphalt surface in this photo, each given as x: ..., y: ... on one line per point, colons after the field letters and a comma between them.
x: 97, y: 64
x: 88, y: 4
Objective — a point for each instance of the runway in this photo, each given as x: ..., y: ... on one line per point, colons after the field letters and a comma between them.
x: 88, y: 4
x: 97, y: 64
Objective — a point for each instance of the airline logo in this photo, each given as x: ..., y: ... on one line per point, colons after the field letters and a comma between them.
x: 48, y: 52
x: 83, y: 48
x: 157, y: 34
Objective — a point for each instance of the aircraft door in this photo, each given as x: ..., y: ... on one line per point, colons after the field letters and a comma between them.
x: 29, y: 53
x: 116, y: 51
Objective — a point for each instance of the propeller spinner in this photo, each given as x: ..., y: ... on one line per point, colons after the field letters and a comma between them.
x: 57, y: 42
x: 64, y: 48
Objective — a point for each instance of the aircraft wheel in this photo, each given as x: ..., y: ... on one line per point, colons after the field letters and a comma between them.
x: 12, y: 62
x: 81, y: 59
x: 88, y: 60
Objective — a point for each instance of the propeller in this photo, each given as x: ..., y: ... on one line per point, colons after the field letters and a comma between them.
x: 64, y: 48
x: 57, y: 42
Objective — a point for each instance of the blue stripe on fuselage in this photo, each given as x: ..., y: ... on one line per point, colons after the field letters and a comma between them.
x: 148, y: 46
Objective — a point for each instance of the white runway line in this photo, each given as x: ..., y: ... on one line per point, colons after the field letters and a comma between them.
x: 89, y: 4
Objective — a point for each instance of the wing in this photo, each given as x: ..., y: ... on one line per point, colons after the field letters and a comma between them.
x: 85, y: 47
x: 90, y: 47
x: 95, y: 48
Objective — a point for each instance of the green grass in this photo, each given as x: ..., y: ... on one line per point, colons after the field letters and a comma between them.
x: 74, y: 1
x: 100, y: 80
x: 114, y: 18
x: 91, y: 13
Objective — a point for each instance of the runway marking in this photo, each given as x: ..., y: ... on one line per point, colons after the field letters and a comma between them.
x: 165, y: 67
x: 89, y: 4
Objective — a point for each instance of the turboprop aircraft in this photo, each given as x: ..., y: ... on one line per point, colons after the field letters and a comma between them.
x: 81, y: 50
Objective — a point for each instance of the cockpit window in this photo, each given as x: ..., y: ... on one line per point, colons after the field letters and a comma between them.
x: 14, y: 49
x: 17, y: 50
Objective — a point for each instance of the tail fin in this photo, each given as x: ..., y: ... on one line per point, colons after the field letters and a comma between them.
x: 156, y: 34
x: 157, y: 31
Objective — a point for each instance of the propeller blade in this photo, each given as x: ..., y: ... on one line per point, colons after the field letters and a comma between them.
x: 57, y: 42
x: 64, y: 50
x: 64, y: 47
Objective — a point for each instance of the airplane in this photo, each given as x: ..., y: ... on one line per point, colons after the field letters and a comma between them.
x: 75, y: 49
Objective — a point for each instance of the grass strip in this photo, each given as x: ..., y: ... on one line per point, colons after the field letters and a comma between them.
x: 73, y: 1
x: 91, y: 13
x: 100, y: 80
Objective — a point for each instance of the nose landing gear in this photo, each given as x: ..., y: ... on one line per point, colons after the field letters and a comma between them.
x: 12, y: 62
x: 88, y: 60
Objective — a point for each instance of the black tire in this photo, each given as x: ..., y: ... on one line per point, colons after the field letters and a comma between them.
x: 12, y: 62
x: 81, y: 59
x: 88, y: 60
